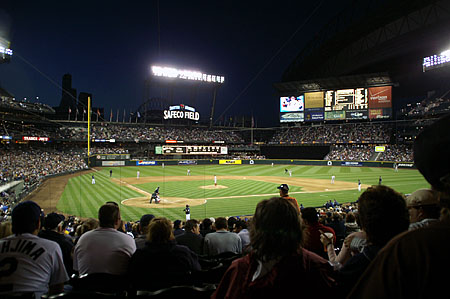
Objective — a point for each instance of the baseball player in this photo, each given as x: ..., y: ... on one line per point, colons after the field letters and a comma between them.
x: 110, y: 173
x: 188, y: 172
x: 187, y: 210
x: 332, y: 179
x: 359, y: 185
x: 215, y: 180
x: 93, y: 180
x: 138, y: 174
x: 290, y: 173
x: 30, y: 263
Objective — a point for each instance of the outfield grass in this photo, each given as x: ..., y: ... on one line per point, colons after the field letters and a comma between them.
x: 83, y: 199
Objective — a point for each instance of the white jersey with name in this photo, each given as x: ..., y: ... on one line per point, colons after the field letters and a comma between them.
x: 103, y: 250
x: 30, y: 264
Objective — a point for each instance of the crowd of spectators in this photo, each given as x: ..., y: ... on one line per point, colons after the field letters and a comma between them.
x: 398, y: 153
x: 32, y: 164
x: 344, y: 133
x: 350, y: 153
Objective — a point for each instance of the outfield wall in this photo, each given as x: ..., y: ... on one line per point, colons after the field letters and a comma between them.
x: 386, y: 164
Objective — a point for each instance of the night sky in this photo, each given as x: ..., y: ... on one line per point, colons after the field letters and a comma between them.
x: 108, y: 47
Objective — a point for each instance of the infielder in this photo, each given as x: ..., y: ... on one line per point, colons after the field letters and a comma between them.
x: 359, y: 185
x: 138, y: 174
x: 188, y: 172
x: 215, y: 180
x: 93, y: 180
x: 332, y: 179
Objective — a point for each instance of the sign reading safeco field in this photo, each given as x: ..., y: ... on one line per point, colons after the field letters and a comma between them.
x: 181, y: 112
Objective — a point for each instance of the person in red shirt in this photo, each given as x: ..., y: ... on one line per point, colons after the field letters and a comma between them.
x: 313, y: 231
x: 277, y: 266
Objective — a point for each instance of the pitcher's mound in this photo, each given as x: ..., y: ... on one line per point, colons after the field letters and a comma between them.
x: 213, y: 187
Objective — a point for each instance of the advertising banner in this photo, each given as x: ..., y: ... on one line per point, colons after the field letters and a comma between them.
x: 358, y: 114
x: 380, y: 113
x: 229, y: 162
x: 291, y: 117
x: 113, y: 163
x: 187, y: 162
x: 351, y: 163
x: 380, y: 97
x: 334, y: 115
x: 146, y: 163
x: 314, y: 99
x: 313, y: 115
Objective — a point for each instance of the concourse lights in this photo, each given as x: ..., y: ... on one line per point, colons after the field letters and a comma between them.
x: 170, y: 72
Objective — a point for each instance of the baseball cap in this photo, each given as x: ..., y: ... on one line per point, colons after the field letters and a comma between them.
x: 177, y: 223
x: 52, y: 220
x: 145, y: 219
x: 283, y: 187
x: 431, y: 153
x: 422, y: 197
x: 25, y: 216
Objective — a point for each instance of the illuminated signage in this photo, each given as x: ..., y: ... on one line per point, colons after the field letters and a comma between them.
x: 6, y: 51
x: 380, y: 149
x: 34, y: 138
x: 169, y: 72
x: 194, y: 150
x: 291, y: 104
x: 435, y: 61
x: 230, y: 162
x: 181, y: 112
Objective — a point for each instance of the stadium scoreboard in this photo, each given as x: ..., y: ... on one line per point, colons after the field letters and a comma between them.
x: 192, y: 150
x: 341, y: 104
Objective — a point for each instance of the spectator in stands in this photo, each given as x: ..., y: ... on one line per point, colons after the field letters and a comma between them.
x: 141, y: 238
x: 29, y: 263
x: 54, y: 231
x: 313, y: 231
x: 192, y: 237
x: 105, y: 249
x: 410, y: 266
x: 206, y: 227
x: 222, y: 240
x: 177, y: 230
x: 161, y: 260
x: 243, y: 233
x: 277, y: 266
x: 423, y: 206
x: 383, y: 215
x: 350, y: 224
x: 338, y: 225
x: 5, y: 229
x: 284, y: 190
x: 88, y: 225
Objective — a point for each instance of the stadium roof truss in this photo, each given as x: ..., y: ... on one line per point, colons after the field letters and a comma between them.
x: 345, y: 44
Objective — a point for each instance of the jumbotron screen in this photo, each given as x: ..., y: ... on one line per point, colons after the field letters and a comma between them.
x: 341, y: 104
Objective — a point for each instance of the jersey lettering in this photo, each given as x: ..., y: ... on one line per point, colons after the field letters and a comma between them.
x: 23, y: 246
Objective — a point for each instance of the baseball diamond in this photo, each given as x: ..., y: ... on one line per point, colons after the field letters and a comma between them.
x: 239, y: 188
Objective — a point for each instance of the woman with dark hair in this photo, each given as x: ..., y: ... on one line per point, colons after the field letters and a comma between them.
x: 162, y: 262
x: 277, y: 265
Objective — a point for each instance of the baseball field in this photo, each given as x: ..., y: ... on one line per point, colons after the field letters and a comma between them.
x: 239, y: 188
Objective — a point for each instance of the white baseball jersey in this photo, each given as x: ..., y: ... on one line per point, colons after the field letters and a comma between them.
x: 103, y: 250
x: 30, y: 264
x: 215, y: 180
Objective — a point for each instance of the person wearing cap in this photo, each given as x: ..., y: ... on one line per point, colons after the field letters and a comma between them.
x: 143, y: 230
x: 284, y: 190
x: 54, y: 231
x: 410, y: 265
x: 187, y: 210
x: 30, y: 263
x: 423, y: 207
x: 105, y: 249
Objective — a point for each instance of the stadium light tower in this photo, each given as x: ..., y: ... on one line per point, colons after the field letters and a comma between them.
x: 172, y: 73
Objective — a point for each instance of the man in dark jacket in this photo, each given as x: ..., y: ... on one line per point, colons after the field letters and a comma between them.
x: 192, y: 237
x: 53, y: 231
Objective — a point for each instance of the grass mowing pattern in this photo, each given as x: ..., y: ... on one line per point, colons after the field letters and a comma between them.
x: 83, y: 199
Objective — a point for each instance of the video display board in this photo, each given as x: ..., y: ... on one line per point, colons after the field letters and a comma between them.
x: 292, y: 104
x: 340, y: 104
